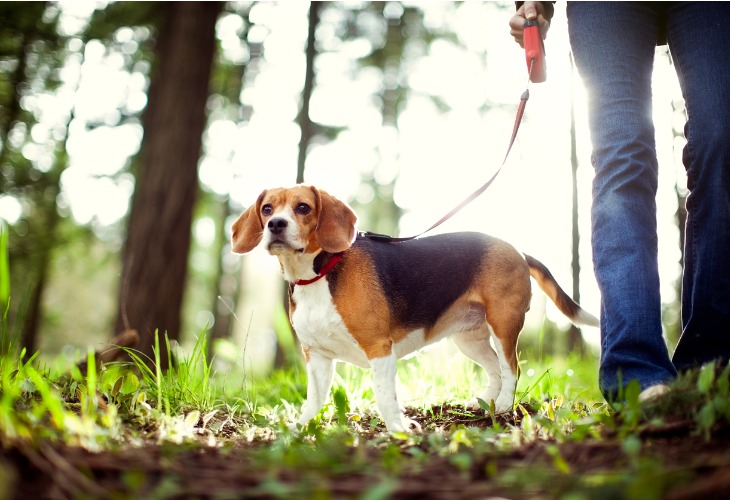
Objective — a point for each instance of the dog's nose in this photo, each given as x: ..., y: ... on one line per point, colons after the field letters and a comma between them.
x: 277, y: 225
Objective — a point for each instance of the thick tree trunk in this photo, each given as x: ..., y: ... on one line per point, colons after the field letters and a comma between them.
x: 155, y: 260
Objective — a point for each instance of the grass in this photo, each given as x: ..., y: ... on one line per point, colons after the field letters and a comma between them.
x: 557, y: 408
x: 144, y: 395
x: 4, y: 290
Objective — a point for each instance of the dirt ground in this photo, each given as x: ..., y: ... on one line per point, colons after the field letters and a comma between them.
x: 689, y: 467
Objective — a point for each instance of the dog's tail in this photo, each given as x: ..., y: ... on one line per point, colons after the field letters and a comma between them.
x: 565, y: 304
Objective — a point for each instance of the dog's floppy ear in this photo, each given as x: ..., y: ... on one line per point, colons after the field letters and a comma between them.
x: 335, y: 230
x: 248, y: 228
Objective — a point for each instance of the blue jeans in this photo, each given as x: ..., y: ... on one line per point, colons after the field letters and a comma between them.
x: 613, y: 45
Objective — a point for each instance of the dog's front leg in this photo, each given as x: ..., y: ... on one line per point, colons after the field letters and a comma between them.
x: 320, y: 371
x: 384, y: 386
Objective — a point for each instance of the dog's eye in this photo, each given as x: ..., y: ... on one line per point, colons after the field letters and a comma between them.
x: 303, y: 209
x: 267, y: 210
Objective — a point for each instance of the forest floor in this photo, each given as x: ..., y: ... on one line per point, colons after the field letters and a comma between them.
x: 127, y: 431
x: 662, y: 459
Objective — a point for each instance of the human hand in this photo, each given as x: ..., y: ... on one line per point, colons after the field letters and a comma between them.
x: 528, y: 10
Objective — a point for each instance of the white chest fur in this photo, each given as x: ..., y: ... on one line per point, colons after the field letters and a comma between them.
x: 320, y: 327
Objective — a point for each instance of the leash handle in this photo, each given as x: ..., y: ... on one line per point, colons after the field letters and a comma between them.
x: 534, y: 52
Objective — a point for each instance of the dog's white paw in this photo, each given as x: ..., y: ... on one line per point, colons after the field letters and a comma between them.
x: 481, y: 404
x: 293, y: 427
x: 412, y: 425
x: 503, y: 405
x: 473, y: 405
x: 405, y: 425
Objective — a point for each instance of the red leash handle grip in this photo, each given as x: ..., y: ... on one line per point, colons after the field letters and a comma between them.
x: 534, y: 52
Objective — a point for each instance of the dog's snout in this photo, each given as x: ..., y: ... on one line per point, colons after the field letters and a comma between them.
x: 277, y: 225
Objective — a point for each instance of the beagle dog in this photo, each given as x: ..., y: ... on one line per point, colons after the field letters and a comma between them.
x: 370, y: 302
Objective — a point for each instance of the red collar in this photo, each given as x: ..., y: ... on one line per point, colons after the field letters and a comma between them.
x: 322, y: 272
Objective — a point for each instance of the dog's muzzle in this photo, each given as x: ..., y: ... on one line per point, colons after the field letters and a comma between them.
x: 277, y: 225
x: 279, y: 241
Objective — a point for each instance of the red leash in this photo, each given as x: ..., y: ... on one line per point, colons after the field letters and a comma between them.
x: 536, y: 72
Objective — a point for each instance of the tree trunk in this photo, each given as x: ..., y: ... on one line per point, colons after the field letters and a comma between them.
x: 31, y: 324
x: 227, y: 286
x: 10, y: 115
x: 155, y: 259
x: 305, y: 121
x: 575, y: 339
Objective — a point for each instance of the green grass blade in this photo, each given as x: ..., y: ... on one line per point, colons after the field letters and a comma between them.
x: 51, y: 401
x: 4, y: 289
x: 90, y: 381
x: 158, y: 371
x: 4, y: 266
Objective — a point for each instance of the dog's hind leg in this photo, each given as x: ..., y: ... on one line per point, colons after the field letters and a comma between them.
x: 508, y: 363
x: 476, y: 346
x: 505, y: 330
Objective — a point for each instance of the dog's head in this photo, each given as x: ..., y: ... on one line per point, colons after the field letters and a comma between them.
x: 302, y: 219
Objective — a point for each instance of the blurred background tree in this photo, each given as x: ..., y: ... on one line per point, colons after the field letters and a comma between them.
x: 157, y: 245
x: 33, y: 150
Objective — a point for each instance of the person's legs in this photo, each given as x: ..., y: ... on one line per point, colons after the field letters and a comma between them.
x: 614, y: 47
x: 699, y: 40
